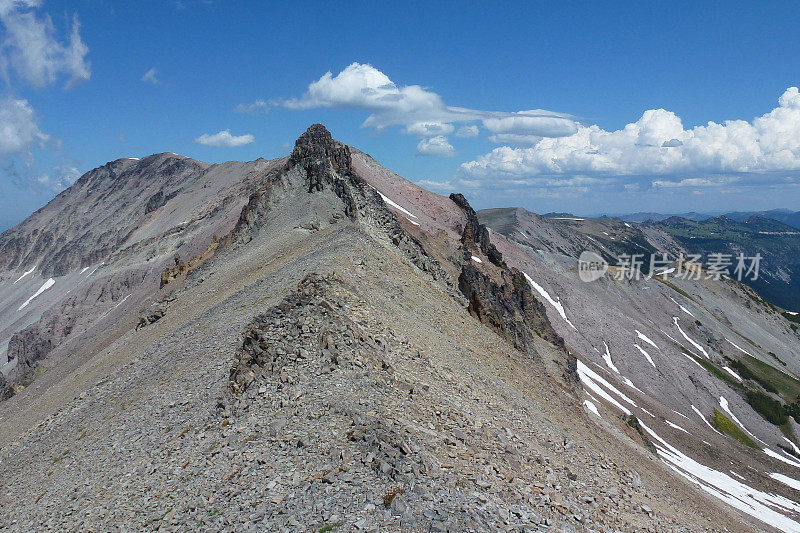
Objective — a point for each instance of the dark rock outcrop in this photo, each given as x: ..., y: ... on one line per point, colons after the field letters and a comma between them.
x: 6, y: 391
x: 325, y: 163
x: 321, y: 157
x: 508, y: 305
x: 476, y: 233
x: 501, y: 297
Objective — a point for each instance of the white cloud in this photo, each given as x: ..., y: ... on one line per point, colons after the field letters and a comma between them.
x: 224, y: 139
x: 19, y: 130
x: 436, y: 146
x: 253, y: 108
x: 438, y: 186
x: 534, y: 122
x: 31, y: 48
x: 150, y: 77
x: 64, y: 177
x: 429, y: 129
x: 515, y: 139
x: 466, y: 132
x: 657, y: 145
x: 696, y: 182
x: 362, y: 86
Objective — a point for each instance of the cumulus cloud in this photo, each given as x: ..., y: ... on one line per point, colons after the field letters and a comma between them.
x: 422, y: 112
x: 224, y: 139
x: 436, y: 146
x: 466, y: 132
x: 658, y: 146
x: 32, y: 49
x: 150, y: 77
x: 19, y: 129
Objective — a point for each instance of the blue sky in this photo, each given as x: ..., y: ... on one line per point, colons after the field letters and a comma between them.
x: 583, y: 108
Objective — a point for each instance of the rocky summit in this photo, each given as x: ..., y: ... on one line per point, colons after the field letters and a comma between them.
x: 313, y: 343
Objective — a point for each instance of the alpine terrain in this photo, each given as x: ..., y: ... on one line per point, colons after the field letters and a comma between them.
x: 313, y: 343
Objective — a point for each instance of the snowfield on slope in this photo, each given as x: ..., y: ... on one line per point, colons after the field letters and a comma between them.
x: 555, y: 303
x: 685, y: 336
x: 396, y: 206
x: 27, y: 272
x: 47, y: 284
x: 646, y: 355
x: 593, y: 381
x: 645, y: 338
x: 760, y: 505
x: 682, y: 307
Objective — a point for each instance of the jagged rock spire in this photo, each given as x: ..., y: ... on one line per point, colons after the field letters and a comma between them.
x: 319, y: 154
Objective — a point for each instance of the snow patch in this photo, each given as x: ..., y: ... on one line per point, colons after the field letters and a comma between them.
x: 781, y: 458
x: 607, y: 359
x: 591, y: 407
x: 786, y: 480
x: 737, y: 475
x: 696, y: 410
x: 646, y: 355
x: 682, y: 307
x: 665, y: 272
x: 109, y: 311
x: 724, y: 404
x: 681, y: 414
x: 690, y: 358
x: 25, y: 274
x: 739, y: 348
x: 760, y: 505
x: 399, y: 208
x: 732, y: 372
x: 793, y: 445
x: 95, y: 269
x: 555, y: 303
x: 676, y: 426
x: 593, y: 380
x: 47, y: 284
x: 685, y: 336
x: 645, y: 338
x: 477, y: 259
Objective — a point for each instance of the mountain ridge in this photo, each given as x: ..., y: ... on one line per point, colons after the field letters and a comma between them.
x: 313, y: 339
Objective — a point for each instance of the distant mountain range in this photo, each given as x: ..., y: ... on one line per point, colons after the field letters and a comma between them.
x: 787, y: 216
x: 777, y: 243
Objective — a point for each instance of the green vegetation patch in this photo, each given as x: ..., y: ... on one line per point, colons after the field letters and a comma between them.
x: 772, y: 410
x: 718, y: 372
x: 772, y: 379
x: 746, y: 373
x: 792, y: 318
x: 724, y: 425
